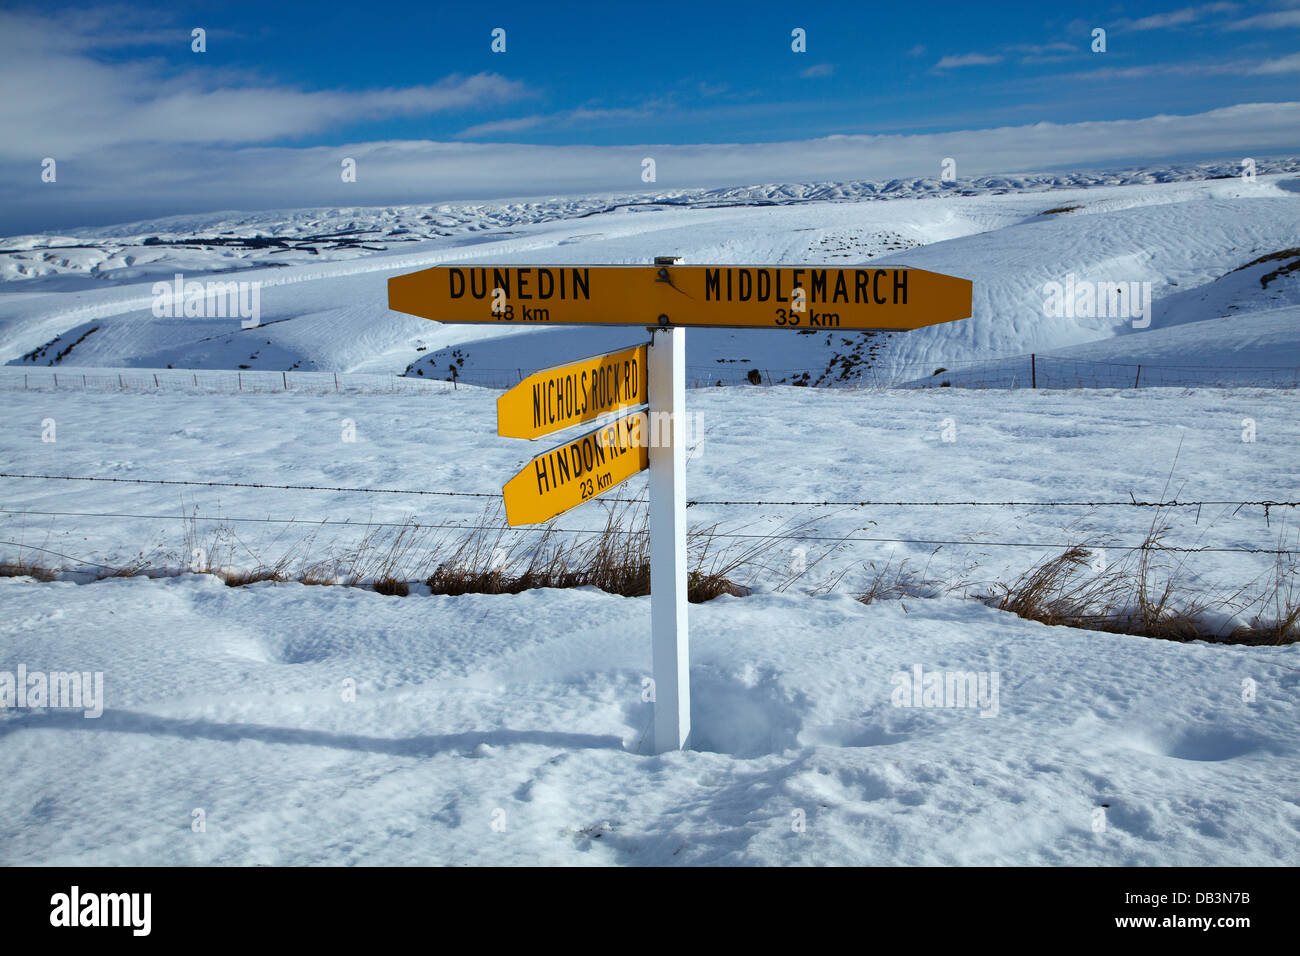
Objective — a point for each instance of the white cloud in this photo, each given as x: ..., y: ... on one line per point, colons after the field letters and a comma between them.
x: 1178, y: 18
x: 123, y: 183
x: 1284, y: 64
x: 1267, y: 21
x: 582, y: 116
x: 820, y: 69
x: 1039, y: 48
x: 967, y: 59
x: 60, y: 101
x: 496, y: 127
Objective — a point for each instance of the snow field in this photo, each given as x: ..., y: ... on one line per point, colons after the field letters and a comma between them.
x: 510, y: 730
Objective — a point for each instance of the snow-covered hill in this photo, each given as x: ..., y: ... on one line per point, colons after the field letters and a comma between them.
x: 1192, y: 233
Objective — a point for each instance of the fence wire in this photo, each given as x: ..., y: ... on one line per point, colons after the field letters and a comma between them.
x: 599, y: 532
x: 1129, y: 503
x: 1024, y: 371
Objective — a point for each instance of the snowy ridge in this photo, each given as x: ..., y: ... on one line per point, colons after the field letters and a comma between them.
x: 1207, y: 245
x: 355, y: 231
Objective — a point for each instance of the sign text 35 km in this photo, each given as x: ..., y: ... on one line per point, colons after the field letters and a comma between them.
x: 556, y: 398
x: 774, y: 297
x: 578, y: 470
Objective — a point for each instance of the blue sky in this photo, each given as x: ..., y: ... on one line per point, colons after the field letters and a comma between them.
x: 608, y: 73
x: 141, y: 121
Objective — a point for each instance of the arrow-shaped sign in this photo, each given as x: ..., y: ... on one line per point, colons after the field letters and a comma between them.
x: 582, y: 391
x: 578, y: 470
x: 769, y: 297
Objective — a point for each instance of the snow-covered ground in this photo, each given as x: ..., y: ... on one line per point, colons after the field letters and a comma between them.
x: 511, y: 729
x: 337, y: 725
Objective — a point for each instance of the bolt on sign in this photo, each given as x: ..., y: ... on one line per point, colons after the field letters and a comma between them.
x: 577, y: 471
x: 573, y: 394
x: 775, y: 297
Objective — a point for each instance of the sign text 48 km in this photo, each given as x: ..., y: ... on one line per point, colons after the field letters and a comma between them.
x: 777, y: 297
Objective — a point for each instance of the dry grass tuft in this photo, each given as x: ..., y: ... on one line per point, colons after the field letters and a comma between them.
x: 391, y: 587
x: 1145, y: 594
x: 240, y: 577
x: 1277, y: 620
x: 892, y: 582
x: 21, y: 568
x: 615, y: 559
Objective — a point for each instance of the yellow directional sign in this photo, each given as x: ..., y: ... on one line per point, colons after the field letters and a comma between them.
x: 578, y: 471
x: 776, y: 297
x: 582, y: 391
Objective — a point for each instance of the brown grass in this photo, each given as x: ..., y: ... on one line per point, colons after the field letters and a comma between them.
x: 391, y: 587
x: 1145, y: 594
x: 1277, y: 620
x: 497, y: 561
x: 615, y: 559
x: 137, y: 566
x: 22, y: 568
x: 892, y: 582
x: 240, y: 577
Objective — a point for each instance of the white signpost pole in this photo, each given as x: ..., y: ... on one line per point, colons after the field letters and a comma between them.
x: 666, y: 373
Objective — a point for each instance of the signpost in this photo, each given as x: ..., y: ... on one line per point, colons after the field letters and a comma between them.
x: 670, y: 643
x: 665, y: 297
x: 760, y: 297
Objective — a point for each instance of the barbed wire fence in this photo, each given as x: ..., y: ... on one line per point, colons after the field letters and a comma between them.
x: 213, y: 380
x: 1028, y: 371
x: 1266, y: 504
x: 1033, y: 371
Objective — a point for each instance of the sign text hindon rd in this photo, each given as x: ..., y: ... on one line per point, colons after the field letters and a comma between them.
x: 577, y: 471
